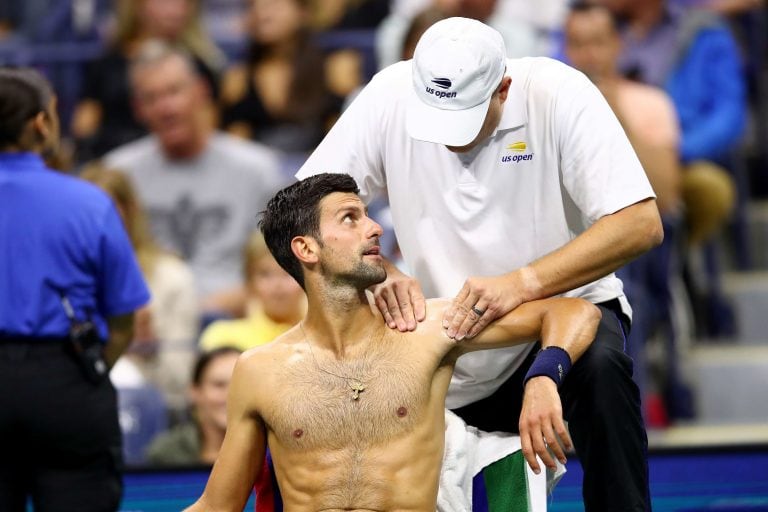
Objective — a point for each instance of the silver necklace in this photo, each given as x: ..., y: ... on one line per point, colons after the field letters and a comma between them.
x: 355, y: 384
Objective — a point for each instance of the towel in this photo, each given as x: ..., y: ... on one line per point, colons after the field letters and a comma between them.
x: 486, y: 472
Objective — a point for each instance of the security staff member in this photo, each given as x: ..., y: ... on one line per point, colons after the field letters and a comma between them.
x: 69, y: 284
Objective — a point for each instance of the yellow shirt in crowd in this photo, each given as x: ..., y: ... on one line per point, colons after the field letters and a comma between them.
x: 242, y: 333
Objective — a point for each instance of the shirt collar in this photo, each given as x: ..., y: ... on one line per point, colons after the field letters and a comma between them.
x: 23, y: 161
x: 515, y: 111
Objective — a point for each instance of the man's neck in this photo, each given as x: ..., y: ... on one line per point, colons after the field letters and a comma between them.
x: 339, y: 318
x: 190, y: 149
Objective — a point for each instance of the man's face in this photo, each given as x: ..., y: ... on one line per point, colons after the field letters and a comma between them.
x: 169, y: 98
x: 278, y: 293
x: 592, y: 43
x: 349, y: 242
x: 272, y: 21
x: 492, y: 119
x: 210, y: 396
x: 165, y: 19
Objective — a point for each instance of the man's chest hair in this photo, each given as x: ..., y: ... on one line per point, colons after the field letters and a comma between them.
x: 317, y: 399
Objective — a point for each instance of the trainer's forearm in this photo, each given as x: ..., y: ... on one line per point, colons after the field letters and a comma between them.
x: 609, y: 243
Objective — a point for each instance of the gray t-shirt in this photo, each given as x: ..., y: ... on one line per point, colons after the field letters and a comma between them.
x: 205, y: 208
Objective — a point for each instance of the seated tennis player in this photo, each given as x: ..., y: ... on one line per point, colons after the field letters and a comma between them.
x: 352, y: 411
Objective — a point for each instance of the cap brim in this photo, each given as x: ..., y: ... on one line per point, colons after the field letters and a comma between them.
x: 448, y: 127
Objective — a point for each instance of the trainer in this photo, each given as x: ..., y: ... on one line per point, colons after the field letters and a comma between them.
x: 69, y: 282
x: 510, y: 180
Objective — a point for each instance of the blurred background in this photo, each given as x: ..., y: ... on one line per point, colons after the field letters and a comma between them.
x: 688, y: 79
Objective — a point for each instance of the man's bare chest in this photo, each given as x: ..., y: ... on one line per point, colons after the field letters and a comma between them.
x: 364, y: 402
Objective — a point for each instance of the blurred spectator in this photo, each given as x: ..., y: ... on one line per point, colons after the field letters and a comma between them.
x: 70, y: 285
x: 202, y: 189
x: 348, y: 14
x: 165, y: 330
x: 519, y: 36
x: 679, y: 51
x: 103, y: 119
x: 694, y: 57
x: 10, y: 18
x: 724, y: 7
x: 593, y: 46
x: 282, y: 95
x: 275, y: 303
x: 199, y: 440
x: 418, y: 25
x: 142, y: 409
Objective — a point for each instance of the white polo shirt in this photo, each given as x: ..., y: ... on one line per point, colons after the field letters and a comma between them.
x: 558, y: 161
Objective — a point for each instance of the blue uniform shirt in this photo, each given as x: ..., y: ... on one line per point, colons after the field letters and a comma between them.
x: 59, y: 234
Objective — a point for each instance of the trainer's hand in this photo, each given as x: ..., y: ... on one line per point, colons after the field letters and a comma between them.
x: 541, y: 424
x: 400, y: 300
x: 491, y: 296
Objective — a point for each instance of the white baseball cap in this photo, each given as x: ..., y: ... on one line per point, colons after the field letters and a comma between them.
x: 457, y: 65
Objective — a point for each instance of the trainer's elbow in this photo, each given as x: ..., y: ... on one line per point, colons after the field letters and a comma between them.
x: 647, y: 226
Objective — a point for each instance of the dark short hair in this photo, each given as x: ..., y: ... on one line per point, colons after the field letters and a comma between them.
x: 205, y: 359
x: 24, y: 93
x: 295, y: 211
x: 582, y: 6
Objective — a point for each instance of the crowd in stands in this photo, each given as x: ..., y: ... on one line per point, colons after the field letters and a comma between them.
x: 194, y: 112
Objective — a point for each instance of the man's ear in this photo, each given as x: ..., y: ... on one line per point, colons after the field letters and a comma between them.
x: 306, y: 249
x: 506, y: 82
x: 41, y: 125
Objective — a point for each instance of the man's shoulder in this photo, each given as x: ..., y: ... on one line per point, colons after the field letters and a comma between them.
x: 649, y: 96
x: 269, y: 353
x: 431, y: 328
x: 89, y: 201
x: 537, y: 74
x: 245, y: 152
x: 134, y: 155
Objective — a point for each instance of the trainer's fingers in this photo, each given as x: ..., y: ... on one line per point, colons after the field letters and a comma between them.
x: 448, y: 316
x: 463, y: 310
x: 419, y: 304
x: 482, y: 322
x: 393, y: 306
x: 381, y: 303
x: 406, y: 309
x: 472, y: 319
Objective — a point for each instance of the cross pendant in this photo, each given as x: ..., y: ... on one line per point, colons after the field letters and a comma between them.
x: 357, y: 388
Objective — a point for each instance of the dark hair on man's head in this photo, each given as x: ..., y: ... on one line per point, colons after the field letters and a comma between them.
x: 295, y: 211
x: 582, y: 6
x: 205, y: 359
x: 24, y: 93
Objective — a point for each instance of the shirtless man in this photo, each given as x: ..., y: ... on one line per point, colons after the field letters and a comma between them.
x: 352, y: 411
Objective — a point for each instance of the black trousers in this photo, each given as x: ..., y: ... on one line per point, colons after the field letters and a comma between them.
x: 60, y: 440
x: 601, y: 403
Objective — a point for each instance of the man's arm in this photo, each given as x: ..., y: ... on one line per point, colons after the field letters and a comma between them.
x: 242, y: 453
x: 609, y: 243
x: 120, y: 336
x: 569, y: 325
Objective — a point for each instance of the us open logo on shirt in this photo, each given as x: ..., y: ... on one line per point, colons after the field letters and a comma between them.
x: 520, y: 149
